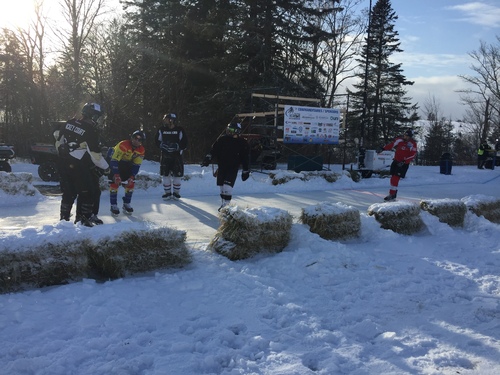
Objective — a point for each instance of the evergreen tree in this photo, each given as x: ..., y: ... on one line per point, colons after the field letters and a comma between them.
x: 381, y: 108
x: 438, y: 140
x: 15, y: 90
x: 279, y: 45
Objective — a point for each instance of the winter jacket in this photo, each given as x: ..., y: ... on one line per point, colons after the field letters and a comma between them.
x: 230, y: 152
x: 483, y: 149
x: 78, y: 139
x: 125, y: 152
x: 405, y: 151
x: 171, y: 140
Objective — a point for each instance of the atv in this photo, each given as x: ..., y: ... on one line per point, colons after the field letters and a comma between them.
x: 6, y: 153
x: 45, y: 155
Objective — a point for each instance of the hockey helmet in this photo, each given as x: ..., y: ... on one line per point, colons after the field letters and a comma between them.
x: 409, y: 133
x: 234, y: 128
x: 170, y: 116
x: 92, y: 111
x: 139, y: 135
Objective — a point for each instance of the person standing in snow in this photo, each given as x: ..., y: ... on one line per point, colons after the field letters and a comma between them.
x: 405, y: 151
x: 482, y: 154
x: 125, y: 161
x: 172, y: 141
x: 77, y: 144
x: 230, y: 150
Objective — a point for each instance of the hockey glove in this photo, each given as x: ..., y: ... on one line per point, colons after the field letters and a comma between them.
x: 245, y: 175
x: 130, y: 183
x: 206, y: 161
x: 100, y: 172
x: 117, y: 179
x: 169, y: 147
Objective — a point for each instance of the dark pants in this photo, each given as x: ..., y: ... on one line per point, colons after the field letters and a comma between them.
x: 171, y: 164
x: 481, y: 161
x: 226, y: 176
x: 399, y: 171
x: 77, y: 182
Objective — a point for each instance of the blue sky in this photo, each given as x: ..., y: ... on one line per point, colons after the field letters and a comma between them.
x: 437, y: 36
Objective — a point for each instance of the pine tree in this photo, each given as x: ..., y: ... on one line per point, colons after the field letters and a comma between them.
x: 438, y: 140
x: 381, y: 108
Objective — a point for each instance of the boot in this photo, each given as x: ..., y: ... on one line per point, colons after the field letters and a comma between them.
x: 65, y: 211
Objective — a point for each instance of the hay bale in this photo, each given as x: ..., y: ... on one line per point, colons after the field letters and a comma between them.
x: 332, y: 221
x: 449, y: 211
x: 244, y: 233
x: 138, y: 251
x: 143, y: 181
x: 483, y: 205
x: 401, y: 217
x: 282, y: 177
x: 19, y: 183
x: 59, y: 263
x: 44, y: 265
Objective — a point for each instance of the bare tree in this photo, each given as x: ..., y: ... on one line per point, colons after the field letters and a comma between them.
x: 339, y: 54
x: 31, y: 43
x: 483, y: 96
x: 81, y: 17
x: 432, y: 109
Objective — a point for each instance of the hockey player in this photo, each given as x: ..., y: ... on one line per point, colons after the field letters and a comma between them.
x: 230, y: 150
x: 405, y: 151
x: 172, y: 141
x: 482, y: 154
x: 125, y: 161
x: 79, y: 154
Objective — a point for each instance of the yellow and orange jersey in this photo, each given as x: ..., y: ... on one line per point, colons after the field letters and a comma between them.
x: 125, y: 152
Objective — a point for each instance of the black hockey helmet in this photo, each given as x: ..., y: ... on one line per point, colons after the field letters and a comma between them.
x: 170, y: 116
x: 234, y: 128
x: 139, y: 135
x: 92, y: 111
x: 409, y: 133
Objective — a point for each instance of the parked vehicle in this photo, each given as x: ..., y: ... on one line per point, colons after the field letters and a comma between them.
x: 369, y: 162
x: 6, y: 153
x: 45, y: 156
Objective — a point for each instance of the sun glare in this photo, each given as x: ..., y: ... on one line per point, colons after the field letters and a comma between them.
x: 16, y: 13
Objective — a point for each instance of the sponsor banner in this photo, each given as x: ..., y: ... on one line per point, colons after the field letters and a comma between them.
x: 311, y: 125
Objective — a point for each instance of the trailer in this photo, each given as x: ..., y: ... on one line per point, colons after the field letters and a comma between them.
x: 370, y: 162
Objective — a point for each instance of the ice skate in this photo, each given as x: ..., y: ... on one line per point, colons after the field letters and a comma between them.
x: 127, y: 209
x: 115, y: 211
x: 390, y: 197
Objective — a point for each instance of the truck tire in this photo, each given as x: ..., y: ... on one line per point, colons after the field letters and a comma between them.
x: 4, y: 166
x: 48, y: 171
x: 366, y: 173
x: 269, y: 163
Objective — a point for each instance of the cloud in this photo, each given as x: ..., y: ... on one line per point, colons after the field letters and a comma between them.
x: 479, y: 13
x: 432, y: 60
x: 443, y: 89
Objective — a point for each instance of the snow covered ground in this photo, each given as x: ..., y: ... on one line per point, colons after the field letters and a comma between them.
x: 380, y: 304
